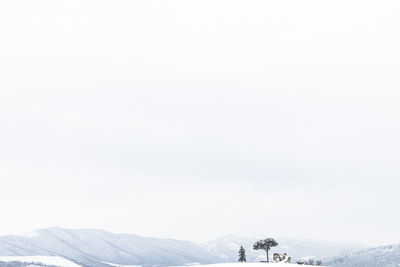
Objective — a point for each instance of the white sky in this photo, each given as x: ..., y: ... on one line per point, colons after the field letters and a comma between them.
x: 194, y: 119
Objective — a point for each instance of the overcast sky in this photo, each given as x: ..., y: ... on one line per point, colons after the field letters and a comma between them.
x: 194, y: 119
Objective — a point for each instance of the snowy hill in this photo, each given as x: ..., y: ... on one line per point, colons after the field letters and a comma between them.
x: 384, y: 256
x: 97, y: 248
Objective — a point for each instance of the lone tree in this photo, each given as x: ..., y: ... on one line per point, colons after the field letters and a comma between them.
x: 266, y: 245
x: 242, y: 254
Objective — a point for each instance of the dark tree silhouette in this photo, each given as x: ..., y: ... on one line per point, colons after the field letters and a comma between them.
x: 242, y: 254
x: 266, y: 245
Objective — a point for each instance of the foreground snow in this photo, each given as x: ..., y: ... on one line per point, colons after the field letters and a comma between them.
x: 239, y: 264
x: 47, y: 260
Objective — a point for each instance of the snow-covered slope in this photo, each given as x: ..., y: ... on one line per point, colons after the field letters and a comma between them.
x: 384, y: 256
x: 39, y: 260
x: 95, y: 247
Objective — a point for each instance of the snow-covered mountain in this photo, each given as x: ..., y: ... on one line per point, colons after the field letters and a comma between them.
x: 383, y: 256
x: 99, y: 248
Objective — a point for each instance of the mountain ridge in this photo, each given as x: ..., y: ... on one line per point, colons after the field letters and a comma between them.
x: 95, y: 247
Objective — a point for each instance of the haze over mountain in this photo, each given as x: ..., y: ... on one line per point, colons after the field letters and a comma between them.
x: 188, y: 119
x: 97, y: 248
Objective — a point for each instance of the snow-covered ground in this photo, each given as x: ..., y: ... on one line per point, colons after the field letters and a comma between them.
x: 47, y: 260
x: 239, y: 264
